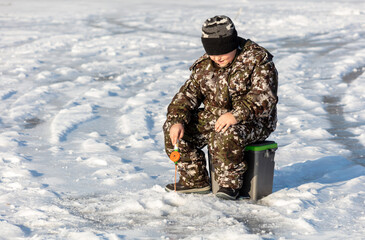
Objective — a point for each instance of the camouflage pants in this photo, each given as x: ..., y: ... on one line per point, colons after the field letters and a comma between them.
x: 226, y: 150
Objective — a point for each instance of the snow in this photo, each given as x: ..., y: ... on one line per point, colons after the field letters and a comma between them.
x: 84, y: 87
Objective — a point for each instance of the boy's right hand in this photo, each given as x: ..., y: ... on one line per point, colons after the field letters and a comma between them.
x: 176, y: 132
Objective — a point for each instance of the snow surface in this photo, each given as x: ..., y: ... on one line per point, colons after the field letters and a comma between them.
x: 84, y: 87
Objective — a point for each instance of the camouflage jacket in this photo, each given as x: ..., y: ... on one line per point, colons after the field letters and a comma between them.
x: 247, y: 88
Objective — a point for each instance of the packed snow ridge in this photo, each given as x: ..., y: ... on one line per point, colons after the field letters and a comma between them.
x: 84, y: 87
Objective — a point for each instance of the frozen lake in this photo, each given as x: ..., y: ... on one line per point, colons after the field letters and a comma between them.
x: 84, y: 87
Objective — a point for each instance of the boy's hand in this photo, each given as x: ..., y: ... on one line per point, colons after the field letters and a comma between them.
x: 224, y: 122
x: 176, y: 132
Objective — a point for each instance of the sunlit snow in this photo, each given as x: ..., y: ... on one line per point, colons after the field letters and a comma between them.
x: 84, y: 87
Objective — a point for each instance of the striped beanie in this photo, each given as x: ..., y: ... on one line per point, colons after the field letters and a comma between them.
x: 219, y: 36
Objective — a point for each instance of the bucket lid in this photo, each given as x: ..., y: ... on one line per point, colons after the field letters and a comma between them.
x: 261, y: 146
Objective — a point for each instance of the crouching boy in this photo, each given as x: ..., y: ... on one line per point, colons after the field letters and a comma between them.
x: 228, y: 102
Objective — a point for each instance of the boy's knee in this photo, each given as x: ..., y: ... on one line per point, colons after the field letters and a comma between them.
x: 232, y: 136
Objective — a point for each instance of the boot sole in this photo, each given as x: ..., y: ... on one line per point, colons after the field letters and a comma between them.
x: 204, y: 190
x: 226, y: 196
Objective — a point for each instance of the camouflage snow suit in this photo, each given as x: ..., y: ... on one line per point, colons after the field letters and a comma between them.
x: 248, y: 89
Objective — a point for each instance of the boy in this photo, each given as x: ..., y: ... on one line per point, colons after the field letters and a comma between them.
x: 236, y: 81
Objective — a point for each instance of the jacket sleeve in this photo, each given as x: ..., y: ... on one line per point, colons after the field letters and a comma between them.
x: 261, y: 97
x: 185, y: 101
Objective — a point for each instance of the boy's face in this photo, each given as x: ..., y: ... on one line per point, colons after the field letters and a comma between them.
x: 224, y: 59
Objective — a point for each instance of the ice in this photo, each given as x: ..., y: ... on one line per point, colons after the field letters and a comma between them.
x: 21, y: 110
x: 10, y: 231
x: 8, y: 139
x: 84, y: 87
x: 91, y: 145
x: 82, y: 236
x: 69, y: 118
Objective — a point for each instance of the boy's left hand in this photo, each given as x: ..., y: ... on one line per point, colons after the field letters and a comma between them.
x: 224, y: 122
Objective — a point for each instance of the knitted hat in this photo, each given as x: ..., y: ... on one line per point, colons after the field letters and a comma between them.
x: 219, y: 36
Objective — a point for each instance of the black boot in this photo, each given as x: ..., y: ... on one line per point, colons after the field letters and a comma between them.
x: 228, y: 193
x: 181, y: 188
